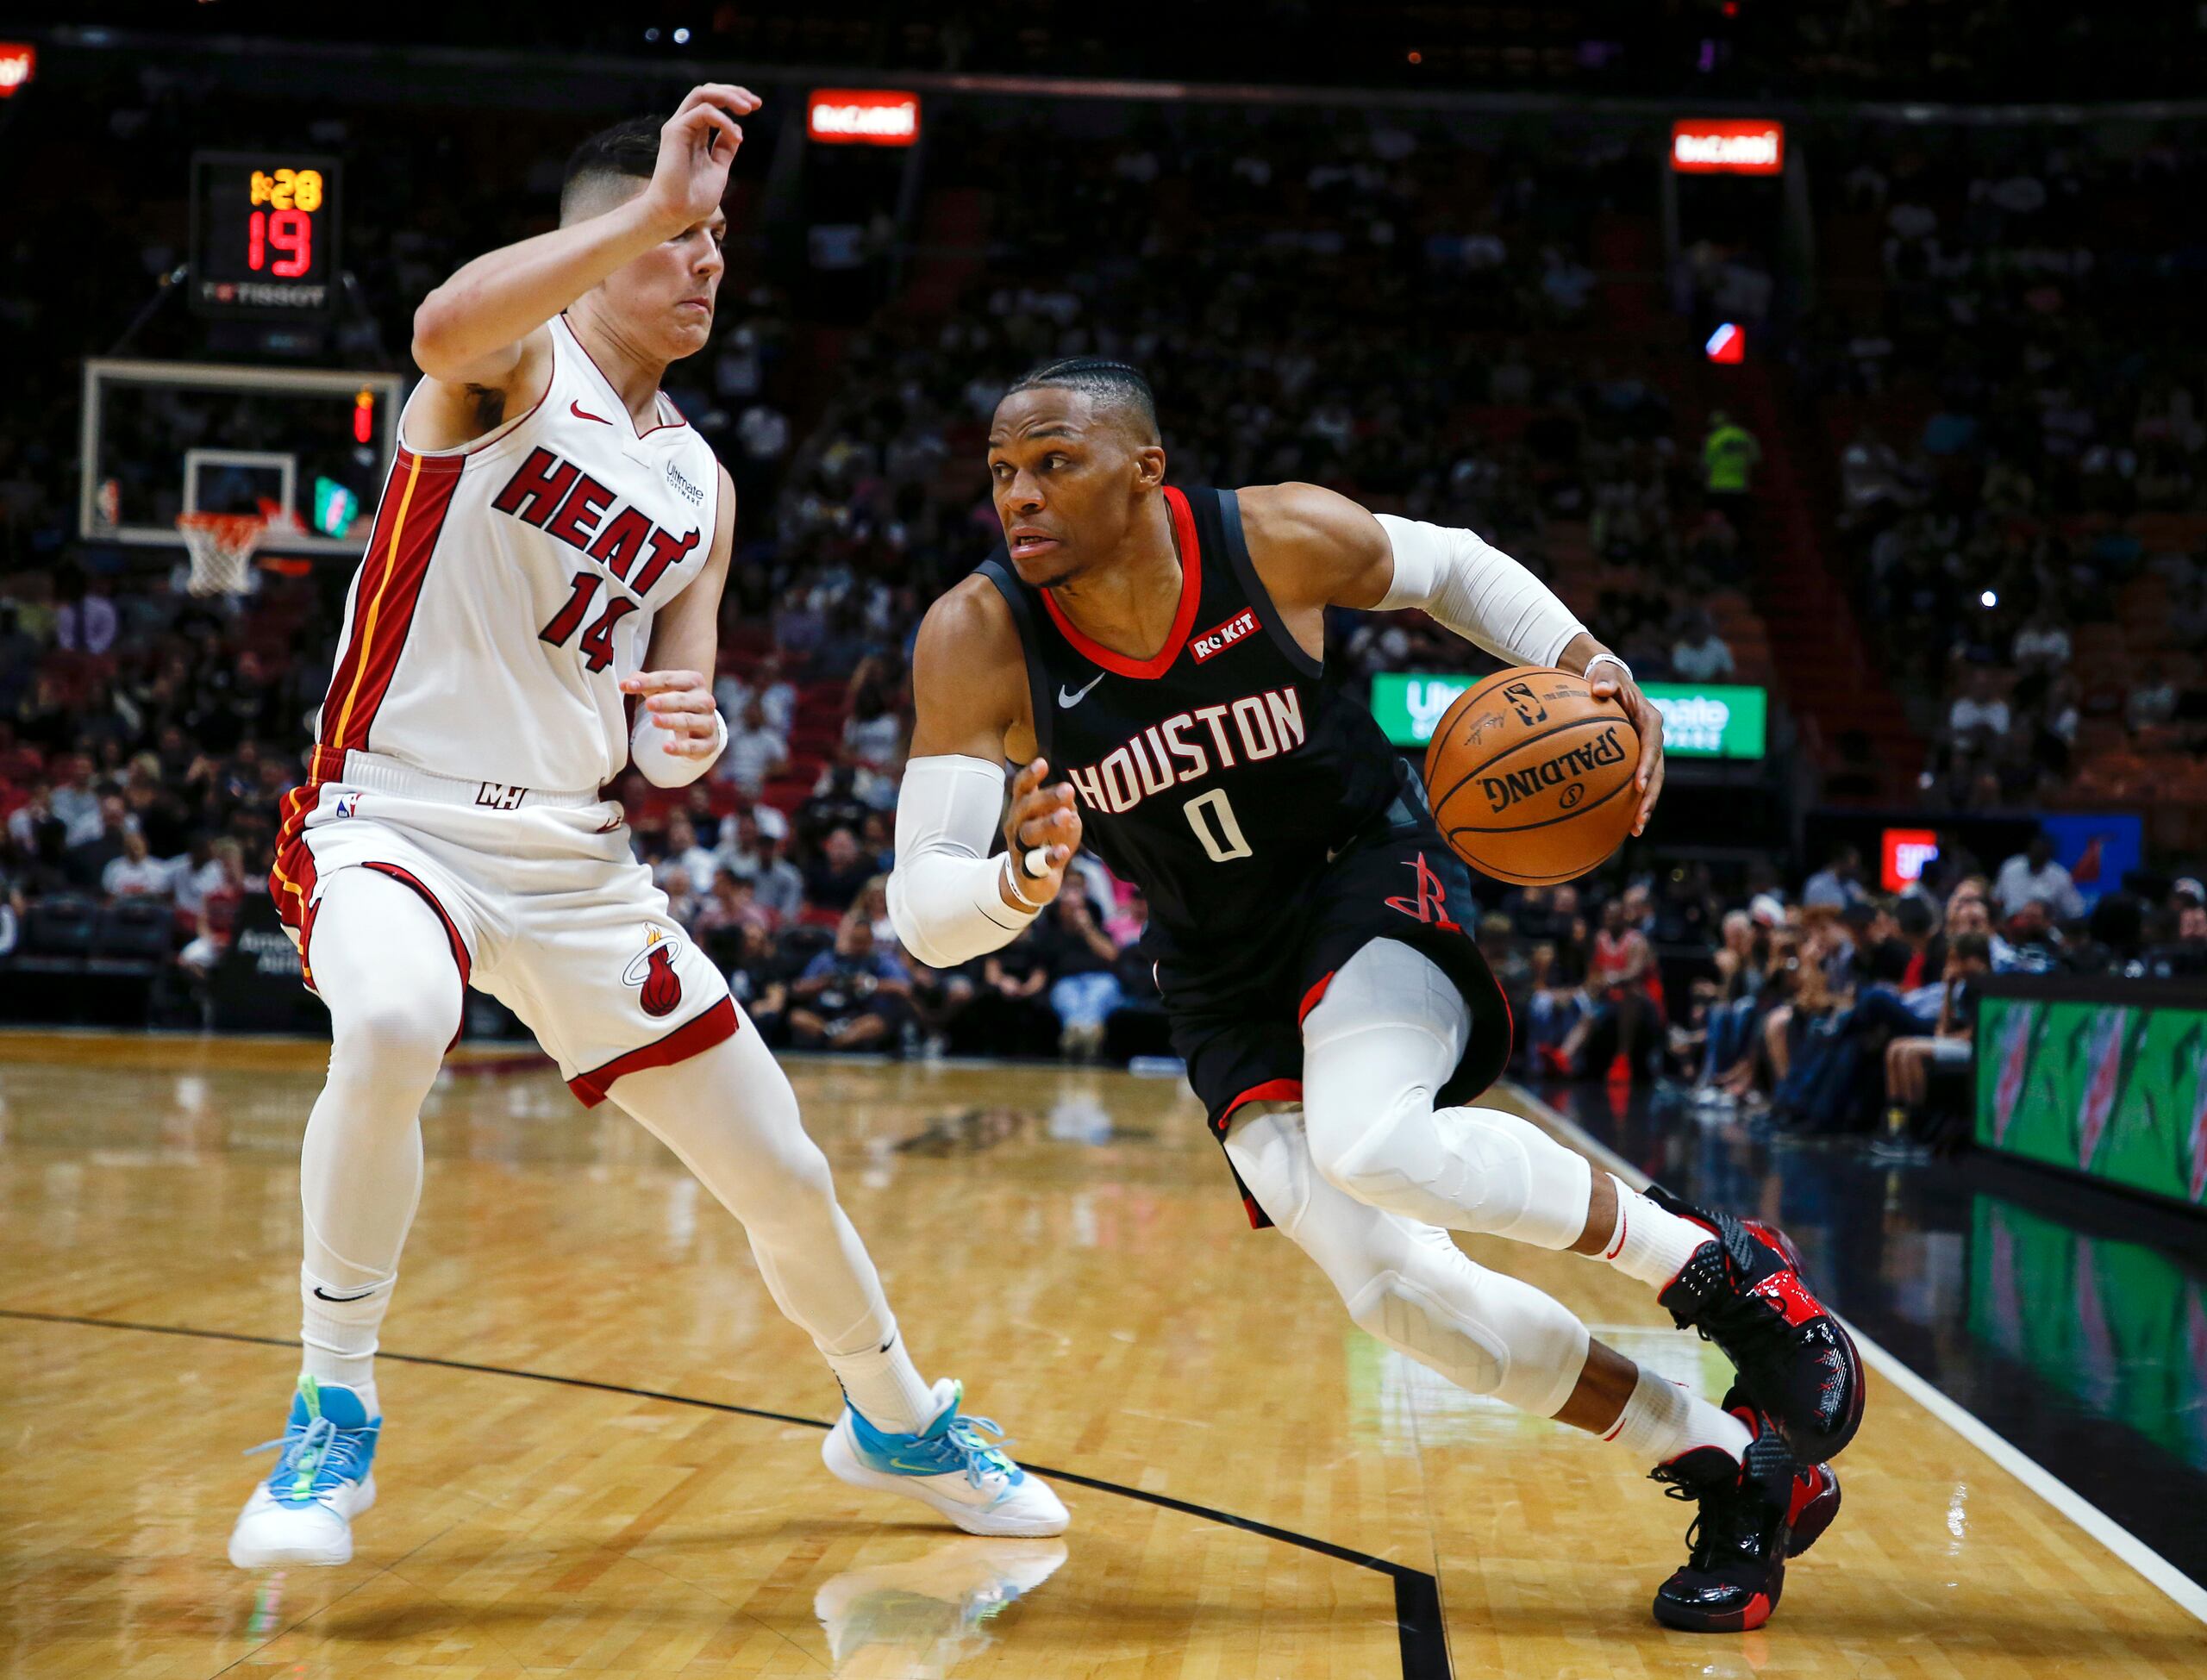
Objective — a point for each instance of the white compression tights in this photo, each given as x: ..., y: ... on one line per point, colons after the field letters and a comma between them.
x: 1407, y: 1283
x: 382, y: 965
x: 1378, y: 1048
x: 1364, y: 1175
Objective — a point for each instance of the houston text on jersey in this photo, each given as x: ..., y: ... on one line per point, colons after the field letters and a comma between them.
x: 1262, y: 726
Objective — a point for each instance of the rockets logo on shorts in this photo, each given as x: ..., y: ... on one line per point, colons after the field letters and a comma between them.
x: 652, y: 969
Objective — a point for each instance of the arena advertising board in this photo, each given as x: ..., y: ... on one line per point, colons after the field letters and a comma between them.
x: 1700, y: 719
x: 863, y: 116
x: 1728, y: 145
x: 2118, y: 1090
x: 2127, y: 1309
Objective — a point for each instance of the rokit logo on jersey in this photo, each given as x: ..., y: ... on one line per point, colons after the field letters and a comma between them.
x: 652, y: 970
x: 1504, y: 791
x: 562, y: 501
x: 1218, y: 641
x: 1191, y: 745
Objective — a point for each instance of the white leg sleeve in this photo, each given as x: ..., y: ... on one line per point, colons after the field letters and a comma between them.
x: 1380, y: 1044
x: 383, y: 964
x: 1408, y: 1283
x: 731, y: 1117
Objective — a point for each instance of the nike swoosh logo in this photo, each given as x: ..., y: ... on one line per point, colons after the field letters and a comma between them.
x: 320, y: 1294
x: 581, y: 413
x: 1334, y: 851
x: 1068, y: 697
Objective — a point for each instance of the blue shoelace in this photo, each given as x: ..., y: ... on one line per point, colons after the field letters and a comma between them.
x: 961, y: 1447
x: 319, y: 1449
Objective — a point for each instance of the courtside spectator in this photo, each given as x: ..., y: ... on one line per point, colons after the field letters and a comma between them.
x: 136, y: 873
x: 756, y: 750
x: 1700, y: 655
x: 2031, y: 877
x: 851, y: 996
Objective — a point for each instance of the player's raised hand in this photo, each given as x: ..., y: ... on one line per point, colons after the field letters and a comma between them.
x: 696, y: 147
x: 1041, y: 831
x: 681, y: 704
x: 1647, y: 724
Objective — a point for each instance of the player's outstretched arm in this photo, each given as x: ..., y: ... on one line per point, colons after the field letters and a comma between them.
x: 1316, y: 548
x: 679, y: 731
x: 949, y: 899
x: 474, y: 330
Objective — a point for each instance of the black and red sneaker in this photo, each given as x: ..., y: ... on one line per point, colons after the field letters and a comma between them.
x: 1736, y: 1549
x: 1742, y: 1291
x: 1814, y: 1501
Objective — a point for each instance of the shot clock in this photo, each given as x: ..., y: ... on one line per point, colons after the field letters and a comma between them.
x: 264, y: 233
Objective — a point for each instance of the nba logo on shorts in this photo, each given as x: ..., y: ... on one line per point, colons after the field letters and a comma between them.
x: 653, y: 969
x: 347, y: 804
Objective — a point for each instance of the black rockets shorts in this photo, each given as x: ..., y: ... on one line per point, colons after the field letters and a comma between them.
x: 1236, y: 1015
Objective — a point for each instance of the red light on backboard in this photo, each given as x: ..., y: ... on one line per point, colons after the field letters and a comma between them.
x: 875, y: 116
x: 1907, y: 853
x: 1728, y: 145
x: 17, y: 61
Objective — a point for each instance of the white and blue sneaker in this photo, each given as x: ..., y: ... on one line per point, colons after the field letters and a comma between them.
x: 949, y: 1466
x: 303, y: 1514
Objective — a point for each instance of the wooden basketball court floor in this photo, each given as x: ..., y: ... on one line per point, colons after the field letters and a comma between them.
x: 602, y: 1451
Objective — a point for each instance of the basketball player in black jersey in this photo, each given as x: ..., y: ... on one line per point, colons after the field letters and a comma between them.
x: 1152, y: 656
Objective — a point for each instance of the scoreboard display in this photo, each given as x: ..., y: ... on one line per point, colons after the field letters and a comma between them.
x: 264, y: 233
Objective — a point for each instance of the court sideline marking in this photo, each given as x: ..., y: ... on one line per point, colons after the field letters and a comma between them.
x: 1418, y: 1594
x: 2188, y: 1594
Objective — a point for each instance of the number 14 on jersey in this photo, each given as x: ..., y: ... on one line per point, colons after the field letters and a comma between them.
x: 596, y: 643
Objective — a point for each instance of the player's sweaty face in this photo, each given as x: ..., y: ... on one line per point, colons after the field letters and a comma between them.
x: 1063, y: 478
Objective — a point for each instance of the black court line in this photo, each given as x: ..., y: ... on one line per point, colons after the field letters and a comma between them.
x: 1418, y: 1594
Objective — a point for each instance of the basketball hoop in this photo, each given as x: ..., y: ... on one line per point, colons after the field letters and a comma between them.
x: 222, y: 547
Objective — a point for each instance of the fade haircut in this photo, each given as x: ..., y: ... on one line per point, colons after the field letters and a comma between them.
x: 629, y: 148
x: 1113, y: 385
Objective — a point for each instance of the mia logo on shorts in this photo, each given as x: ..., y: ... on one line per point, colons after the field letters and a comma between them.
x: 653, y: 969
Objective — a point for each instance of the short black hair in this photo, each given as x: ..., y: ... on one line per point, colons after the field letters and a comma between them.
x: 1112, y: 383
x: 629, y: 148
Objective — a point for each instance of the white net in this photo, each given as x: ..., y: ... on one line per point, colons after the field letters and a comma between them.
x: 221, y: 546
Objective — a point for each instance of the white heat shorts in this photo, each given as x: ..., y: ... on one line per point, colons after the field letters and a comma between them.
x: 547, y: 910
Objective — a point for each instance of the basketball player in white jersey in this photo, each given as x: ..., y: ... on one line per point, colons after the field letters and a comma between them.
x: 552, y: 541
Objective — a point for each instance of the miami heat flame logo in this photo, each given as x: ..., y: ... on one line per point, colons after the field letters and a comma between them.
x: 653, y: 969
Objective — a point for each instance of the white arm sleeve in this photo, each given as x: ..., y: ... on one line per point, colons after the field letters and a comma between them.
x: 662, y: 769
x: 1478, y: 591
x: 944, y: 896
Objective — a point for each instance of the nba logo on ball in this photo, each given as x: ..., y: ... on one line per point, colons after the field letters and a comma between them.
x: 653, y: 969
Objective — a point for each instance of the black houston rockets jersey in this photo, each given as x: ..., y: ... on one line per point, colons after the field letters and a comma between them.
x: 1219, y: 774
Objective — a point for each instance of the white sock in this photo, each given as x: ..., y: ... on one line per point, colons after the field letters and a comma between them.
x: 885, y: 1386
x: 1649, y: 1243
x: 337, y: 1333
x: 1662, y: 1420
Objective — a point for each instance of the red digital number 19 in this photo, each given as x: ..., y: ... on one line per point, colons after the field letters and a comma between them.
x: 288, y: 231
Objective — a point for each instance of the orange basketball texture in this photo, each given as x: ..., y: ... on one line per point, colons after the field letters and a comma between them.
x: 1530, y: 776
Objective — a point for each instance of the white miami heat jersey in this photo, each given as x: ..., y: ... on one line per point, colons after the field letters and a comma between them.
x: 512, y: 583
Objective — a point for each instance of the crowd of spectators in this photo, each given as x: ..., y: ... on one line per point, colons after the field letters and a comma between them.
x: 1827, y: 1009
x: 1373, y: 302
x: 2020, y: 413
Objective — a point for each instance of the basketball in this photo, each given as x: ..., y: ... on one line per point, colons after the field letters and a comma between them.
x: 1530, y: 776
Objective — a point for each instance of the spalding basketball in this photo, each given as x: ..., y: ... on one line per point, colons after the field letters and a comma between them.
x: 1530, y: 776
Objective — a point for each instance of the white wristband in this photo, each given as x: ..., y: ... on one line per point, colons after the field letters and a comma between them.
x: 1623, y: 670
x: 662, y: 769
x: 1011, y: 885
